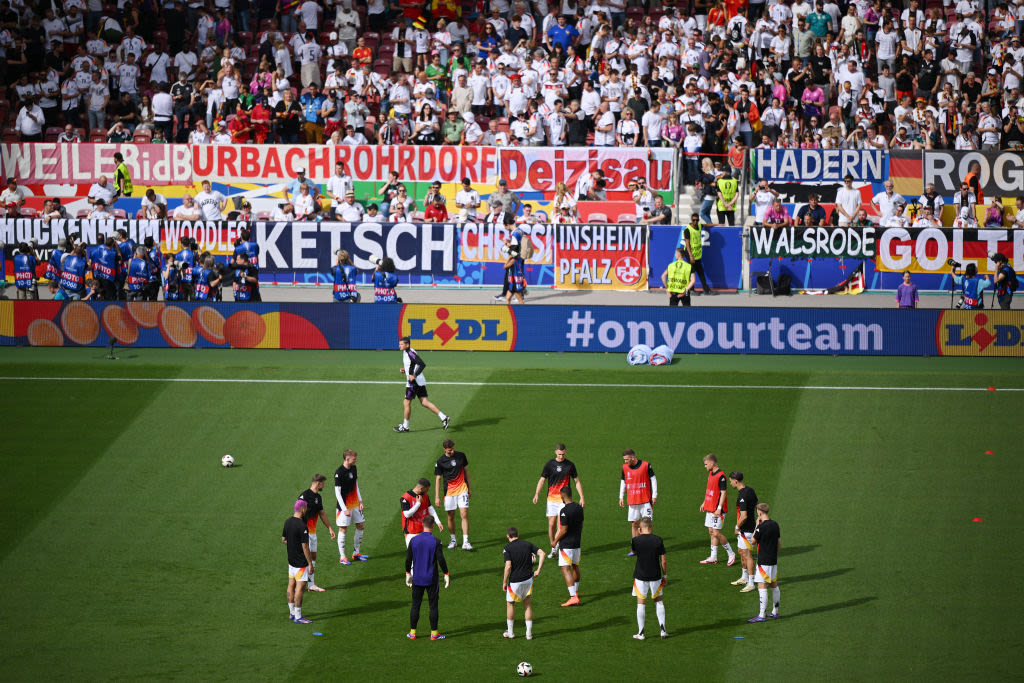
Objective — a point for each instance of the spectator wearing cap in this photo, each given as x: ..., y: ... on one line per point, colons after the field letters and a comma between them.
x: 13, y: 197
x: 349, y: 210
x: 453, y: 130
x: 221, y: 136
x: 100, y: 210
x: 509, y: 201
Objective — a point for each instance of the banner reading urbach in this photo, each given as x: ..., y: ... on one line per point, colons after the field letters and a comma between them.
x: 601, y: 256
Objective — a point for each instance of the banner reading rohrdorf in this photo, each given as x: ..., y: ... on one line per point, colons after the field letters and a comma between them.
x: 1001, y: 173
x: 926, y: 250
x: 601, y: 256
x: 813, y: 242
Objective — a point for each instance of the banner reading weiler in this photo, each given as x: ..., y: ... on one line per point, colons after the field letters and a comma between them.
x: 41, y: 163
x: 601, y: 257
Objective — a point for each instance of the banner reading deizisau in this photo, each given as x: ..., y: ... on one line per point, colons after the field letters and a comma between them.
x: 601, y: 257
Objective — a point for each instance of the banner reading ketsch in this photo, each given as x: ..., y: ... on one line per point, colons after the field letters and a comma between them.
x: 927, y: 250
x: 42, y: 163
x: 818, y: 242
x: 601, y: 257
x: 48, y: 233
x: 1001, y: 173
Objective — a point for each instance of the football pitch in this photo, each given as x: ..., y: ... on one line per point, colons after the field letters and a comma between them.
x: 128, y: 552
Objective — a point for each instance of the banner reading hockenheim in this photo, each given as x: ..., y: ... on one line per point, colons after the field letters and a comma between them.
x: 821, y: 165
x: 1001, y: 173
x: 601, y: 257
x: 919, y: 250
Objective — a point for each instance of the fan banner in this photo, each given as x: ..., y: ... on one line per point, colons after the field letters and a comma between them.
x: 601, y: 257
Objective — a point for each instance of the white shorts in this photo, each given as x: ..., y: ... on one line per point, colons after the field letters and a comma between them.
x: 517, y: 592
x: 713, y: 521
x: 568, y: 557
x: 638, y: 511
x: 745, y: 540
x: 312, y: 543
x: 555, y: 507
x: 459, y: 501
x: 408, y: 539
x: 354, y: 516
x: 298, y: 573
x: 642, y: 589
x: 765, y: 573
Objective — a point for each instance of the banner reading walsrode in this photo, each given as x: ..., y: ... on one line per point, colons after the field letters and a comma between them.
x: 813, y: 242
x: 894, y: 250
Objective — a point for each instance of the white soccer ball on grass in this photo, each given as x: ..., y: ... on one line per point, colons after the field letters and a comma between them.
x: 227, y: 461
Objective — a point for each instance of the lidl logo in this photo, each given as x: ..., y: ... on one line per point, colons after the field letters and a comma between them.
x: 981, y: 333
x: 460, y: 328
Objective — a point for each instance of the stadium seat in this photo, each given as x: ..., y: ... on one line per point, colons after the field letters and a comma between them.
x: 97, y: 135
x: 82, y: 134
x: 51, y: 133
x: 597, y: 218
x: 160, y: 38
x: 11, y: 136
x: 28, y: 212
x: 82, y: 213
x: 119, y: 213
x: 263, y: 215
x: 140, y: 214
x: 244, y: 38
x: 626, y: 218
x: 142, y: 136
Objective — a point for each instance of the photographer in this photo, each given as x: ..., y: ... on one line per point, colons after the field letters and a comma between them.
x: 384, y: 282
x: 1005, y: 280
x: 971, y: 286
x: 246, y: 286
x: 172, y: 280
x: 138, y: 275
x: 345, y: 279
x: 25, y: 263
x: 207, y: 280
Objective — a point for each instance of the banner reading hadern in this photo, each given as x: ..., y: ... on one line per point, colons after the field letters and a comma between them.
x: 813, y: 242
x: 1001, y: 173
x: 926, y: 250
x: 41, y: 163
x: 601, y: 257
x: 48, y: 233
x: 821, y: 165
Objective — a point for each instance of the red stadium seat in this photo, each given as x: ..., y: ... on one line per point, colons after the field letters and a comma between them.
x: 140, y: 214
x: 51, y: 133
x: 244, y: 38
x: 27, y: 212
x: 626, y: 218
x: 142, y: 136
x: 160, y: 38
x: 82, y: 213
x: 97, y: 135
x: 11, y: 136
x: 119, y: 213
x: 597, y: 218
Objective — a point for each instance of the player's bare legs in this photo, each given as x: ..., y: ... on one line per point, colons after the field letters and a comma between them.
x: 552, y: 530
x: 464, y: 512
x: 407, y: 409
x: 425, y: 402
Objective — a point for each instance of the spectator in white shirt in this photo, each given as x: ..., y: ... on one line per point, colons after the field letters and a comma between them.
x: 101, y: 189
x: 211, y: 203
x: 886, y: 202
x: 30, y: 120
x: 188, y: 211
x: 604, y: 127
x: 847, y: 202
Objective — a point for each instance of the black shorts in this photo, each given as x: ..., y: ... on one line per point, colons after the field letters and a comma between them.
x: 674, y: 299
x: 415, y: 391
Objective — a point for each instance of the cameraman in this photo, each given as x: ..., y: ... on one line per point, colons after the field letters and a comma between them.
x: 207, y: 279
x: 1005, y: 280
x: 971, y: 286
x: 246, y: 285
x: 172, y: 279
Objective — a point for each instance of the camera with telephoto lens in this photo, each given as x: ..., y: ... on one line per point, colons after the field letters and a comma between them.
x: 954, y: 264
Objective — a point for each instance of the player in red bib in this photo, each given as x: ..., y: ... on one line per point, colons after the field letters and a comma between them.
x: 715, y: 507
x: 638, y: 489
x: 415, y: 506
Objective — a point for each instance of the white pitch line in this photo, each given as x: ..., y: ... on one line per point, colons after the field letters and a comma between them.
x: 581, y: 385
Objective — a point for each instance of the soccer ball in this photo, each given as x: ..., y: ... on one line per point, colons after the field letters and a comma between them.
x: 524, y: 669
x: 227, y: 461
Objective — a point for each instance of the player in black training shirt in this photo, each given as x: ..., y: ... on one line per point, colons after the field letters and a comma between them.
x: 570, y: 529
x: 518, y: 579
x: 349, y: 508
x: 451, y: 467
x: 649, y: 576
x: 767, y: 536
x: 746, y: 520
x: 296, y: 537
x: 314, y: 512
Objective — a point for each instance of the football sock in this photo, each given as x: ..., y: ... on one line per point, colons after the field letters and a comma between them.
x: 728, y: 549
x: 434, y: 632
x: 641, y: 614
x: 454, y: 540
x: 357, y: 542
x: 291, y: 608
x: 763, y: 593
x: 465, y: 539
x: 572, y: 591
x: 412, y: 632
x: 405, y: 423
x: 312, y: 572
x: 529, y: 628
x: 745, y: 576
x: 508, y: 622
x: 714, y: 552
x: 775, y: 600
x: 577, y: 587
x: 341, y: 542
x: 659, y: 609
x: 298, y: 612
x: 442, y: 415
x: 750, y: 581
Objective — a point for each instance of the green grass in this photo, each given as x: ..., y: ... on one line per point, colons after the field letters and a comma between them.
x: 128, y: 552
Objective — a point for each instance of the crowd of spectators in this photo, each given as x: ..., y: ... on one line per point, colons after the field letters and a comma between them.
x: 696, y: 75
